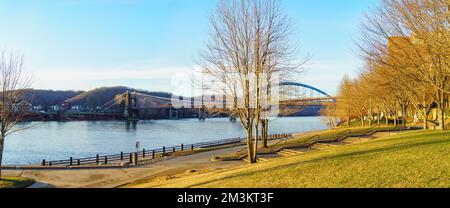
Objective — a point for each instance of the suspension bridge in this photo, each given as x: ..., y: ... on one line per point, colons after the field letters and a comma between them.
x: 300, y: 98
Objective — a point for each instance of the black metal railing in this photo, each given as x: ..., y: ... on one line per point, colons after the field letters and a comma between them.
x: 135, y: 157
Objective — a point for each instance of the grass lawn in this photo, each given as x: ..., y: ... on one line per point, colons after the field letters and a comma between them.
x: 15, y: 182
x: 408, y: 160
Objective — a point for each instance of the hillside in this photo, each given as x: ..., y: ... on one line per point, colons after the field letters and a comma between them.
x: 407, y: 160
x: 100, y: 96
x: 47, y: 98
x: 92, y: 98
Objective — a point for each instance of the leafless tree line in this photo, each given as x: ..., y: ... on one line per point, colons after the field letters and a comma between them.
x: 405, y: 46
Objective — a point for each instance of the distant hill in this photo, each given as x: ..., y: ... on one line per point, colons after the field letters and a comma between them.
x: 91, y: 98
x: 47, y: 98
x: 100, y: 96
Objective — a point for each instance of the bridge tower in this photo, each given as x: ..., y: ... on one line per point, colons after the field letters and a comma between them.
x: 202, y: 110
x: 131, y: 112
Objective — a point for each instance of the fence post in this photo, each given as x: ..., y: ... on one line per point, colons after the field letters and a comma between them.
x: 136, y: 158
x: 43, y: 162
x: 121, y: 156
x: 153, y: 154
x: 164, y: 150
x: 182, y: 147
x: 78, y: 162
x: 143, y: 153
x: 50, y: 164
x: 106, y: 160
x: 192, y: 147
x: 173, y: 150
x: 70, y: 161
x: 97, y: 159
x: 131, y: 158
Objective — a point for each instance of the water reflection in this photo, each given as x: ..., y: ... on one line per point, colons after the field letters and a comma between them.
x: 131, y: 125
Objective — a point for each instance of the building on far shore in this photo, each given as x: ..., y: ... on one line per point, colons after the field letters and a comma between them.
x: 22, y: 106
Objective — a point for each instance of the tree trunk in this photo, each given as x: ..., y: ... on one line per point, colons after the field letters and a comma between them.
x: 265, y: 133
x: 329, y: 124
x: 442, y: 117
x: 441, y: 106
x: 404, y: 113
x: 362, y: 122
x: 379, y: 119
x: 255, y: 145
x: 387, y: 119
x: 425, y: 119
x: 250, y: 145
x: 2, y: 143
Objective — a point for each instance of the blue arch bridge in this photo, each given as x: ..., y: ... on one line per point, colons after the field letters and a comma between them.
x: 295, y: 99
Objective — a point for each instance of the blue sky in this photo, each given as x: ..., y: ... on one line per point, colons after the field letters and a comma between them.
x: 84, y: 44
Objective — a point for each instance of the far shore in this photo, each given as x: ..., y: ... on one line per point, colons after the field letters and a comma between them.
x: 96, y: 116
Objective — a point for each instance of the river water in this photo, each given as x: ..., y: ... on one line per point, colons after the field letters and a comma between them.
x: 61, y: 140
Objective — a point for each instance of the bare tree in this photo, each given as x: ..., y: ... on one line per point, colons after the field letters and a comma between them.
x: 250, y: 46
x: 13, y: 85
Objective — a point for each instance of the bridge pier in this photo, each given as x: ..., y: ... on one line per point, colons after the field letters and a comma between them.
x: 201, y: 114
x: 233, y: 119
x: 174, y: 114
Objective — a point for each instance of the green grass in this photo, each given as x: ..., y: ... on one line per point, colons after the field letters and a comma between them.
x: 15, y: 182
x: 415, y: 159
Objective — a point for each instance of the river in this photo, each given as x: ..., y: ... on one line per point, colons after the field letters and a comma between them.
x: 61, y: 140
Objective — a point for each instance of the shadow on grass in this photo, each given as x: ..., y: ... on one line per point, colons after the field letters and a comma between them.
x: 15, y: 183
x: 340, y: 156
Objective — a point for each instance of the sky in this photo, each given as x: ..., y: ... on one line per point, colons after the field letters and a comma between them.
x: 85, y: 44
